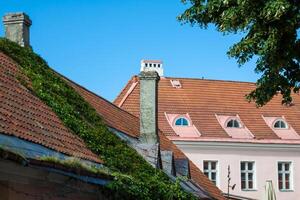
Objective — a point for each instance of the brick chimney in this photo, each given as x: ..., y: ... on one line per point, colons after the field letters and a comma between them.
x: 17, y: 28
x: 149, y: 141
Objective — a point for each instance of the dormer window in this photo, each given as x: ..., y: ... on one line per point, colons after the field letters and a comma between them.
x: 181, y: 122
x: 233, y: 123
x: 280, y: 124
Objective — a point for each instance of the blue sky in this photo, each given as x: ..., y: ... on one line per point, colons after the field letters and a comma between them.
x: 99, y: 44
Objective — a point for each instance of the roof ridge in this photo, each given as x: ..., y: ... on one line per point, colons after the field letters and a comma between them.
x: 204, y: 79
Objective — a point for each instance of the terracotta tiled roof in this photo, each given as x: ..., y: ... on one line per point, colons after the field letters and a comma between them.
x: 25, y: 116
x: 203, y: 99
x: 112, y: 115
x: 129, y: 124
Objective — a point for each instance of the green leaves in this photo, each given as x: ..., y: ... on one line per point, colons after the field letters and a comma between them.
x: 137, y: 179
x: 270, y: 29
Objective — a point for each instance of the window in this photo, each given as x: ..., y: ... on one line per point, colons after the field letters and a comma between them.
x: 247, y: 175
x: 280, y: 124
x: 175, y: 83
x: 233, y: 123
x: 284, y: 175
x: 181, y: 122
x: 210, y: 170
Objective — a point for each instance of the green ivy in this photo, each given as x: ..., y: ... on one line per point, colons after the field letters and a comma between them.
x: 135, y: 178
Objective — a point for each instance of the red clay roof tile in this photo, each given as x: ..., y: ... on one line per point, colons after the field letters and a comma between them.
x: 25, y: 116
x: 202, y: 99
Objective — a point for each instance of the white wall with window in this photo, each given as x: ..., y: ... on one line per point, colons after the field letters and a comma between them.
x: 251, y: 165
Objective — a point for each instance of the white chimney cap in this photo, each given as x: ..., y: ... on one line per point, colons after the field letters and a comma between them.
x: 152, y: 65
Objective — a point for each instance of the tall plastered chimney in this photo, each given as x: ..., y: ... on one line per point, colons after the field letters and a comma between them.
x: 149, y: 141
x: 17, y: 28
x: 148, y: 107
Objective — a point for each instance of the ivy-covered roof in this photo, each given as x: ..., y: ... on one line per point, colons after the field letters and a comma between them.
x: 46, y: 91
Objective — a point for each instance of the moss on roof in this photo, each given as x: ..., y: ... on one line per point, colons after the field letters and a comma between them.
x: 135, y: 178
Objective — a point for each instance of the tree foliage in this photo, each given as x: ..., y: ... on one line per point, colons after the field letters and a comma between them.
x: 270, y: 36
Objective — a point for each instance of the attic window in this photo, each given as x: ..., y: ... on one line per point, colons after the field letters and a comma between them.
x: 280, y: 124
x: 176, y: 83
x: 233, y: 123
x: 181, y: 122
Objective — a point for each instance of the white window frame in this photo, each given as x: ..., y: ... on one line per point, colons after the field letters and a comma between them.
x: 283, y: 172
x: 210, y: 171
x: 246, y: 171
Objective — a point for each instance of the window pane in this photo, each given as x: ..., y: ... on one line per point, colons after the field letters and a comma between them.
x: 280, y: 185
x: 243, y: 184
x: 287, y: 185
x: 236, y: 124
x: 205, y: 165
x: 287, y: 166
x: 279, y: 166
x: 213, y: 165
x: 250, y: 166
x: 206, y: 174
x: 178, y: 122
x: 280, y: 177
x: 230, y: 123
x: 184, y: 122
x: 282, y: 124
x: 243, y: 176
x: 213, y: 176
x: 277, y: 125
x: 250, y: 185
x: 242, y: 166
x: 280, y: 181
x: 250, y: 176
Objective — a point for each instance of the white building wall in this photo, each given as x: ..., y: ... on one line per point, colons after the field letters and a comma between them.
x: 265, y: 157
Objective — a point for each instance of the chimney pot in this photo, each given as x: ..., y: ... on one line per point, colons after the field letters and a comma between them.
x: 17, y: 28
x: 152, y: 65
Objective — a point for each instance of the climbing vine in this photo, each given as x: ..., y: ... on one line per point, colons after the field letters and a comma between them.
x: 135, y: 178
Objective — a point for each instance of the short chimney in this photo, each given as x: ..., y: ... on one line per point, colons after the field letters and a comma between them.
x: 152, y: 65
x: 17, y: 28
x: 148, y: 107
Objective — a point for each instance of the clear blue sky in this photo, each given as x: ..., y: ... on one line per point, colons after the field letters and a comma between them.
x: 99, y: 44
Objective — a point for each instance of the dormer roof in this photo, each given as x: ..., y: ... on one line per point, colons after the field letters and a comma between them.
x: 203, y: 99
